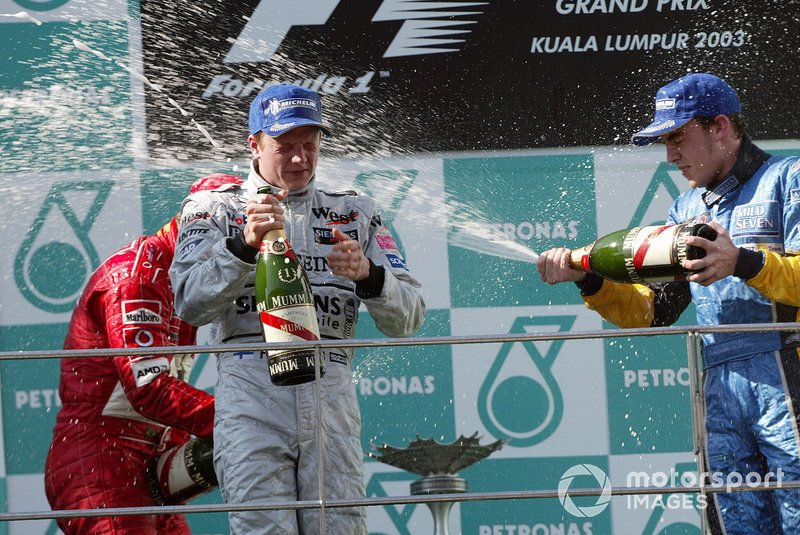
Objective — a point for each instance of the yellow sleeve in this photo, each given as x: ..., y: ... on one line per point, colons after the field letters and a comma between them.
x: 779, y: 279
x: 624, y: 305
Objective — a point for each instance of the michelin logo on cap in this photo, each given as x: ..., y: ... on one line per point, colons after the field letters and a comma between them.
x: 276, y: 106
x: 283, y: 107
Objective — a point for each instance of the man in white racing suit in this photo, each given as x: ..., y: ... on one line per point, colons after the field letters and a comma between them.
x: 266, y: 436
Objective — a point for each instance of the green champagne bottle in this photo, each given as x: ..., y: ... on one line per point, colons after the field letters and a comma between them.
x: 286, y: 308
x: 642, y: 255
x: 183, y: 472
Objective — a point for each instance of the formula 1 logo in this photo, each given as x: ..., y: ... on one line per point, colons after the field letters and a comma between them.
x: 429, y: 27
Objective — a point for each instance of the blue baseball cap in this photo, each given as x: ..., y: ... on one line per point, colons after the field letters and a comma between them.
x: 284, y: 107
x: 680, y: 101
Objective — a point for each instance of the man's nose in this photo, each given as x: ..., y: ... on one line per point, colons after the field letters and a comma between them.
x: 673, y: 154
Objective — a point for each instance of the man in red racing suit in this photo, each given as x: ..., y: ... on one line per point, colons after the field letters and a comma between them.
x: 119, y: 413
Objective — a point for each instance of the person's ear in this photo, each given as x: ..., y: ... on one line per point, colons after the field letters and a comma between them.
x: 722, y: 124
x: 252, y: 142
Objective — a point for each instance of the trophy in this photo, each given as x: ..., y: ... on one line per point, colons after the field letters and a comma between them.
x: 438, y: 465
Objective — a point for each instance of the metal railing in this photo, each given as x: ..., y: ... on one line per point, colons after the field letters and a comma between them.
x: 692, y: 334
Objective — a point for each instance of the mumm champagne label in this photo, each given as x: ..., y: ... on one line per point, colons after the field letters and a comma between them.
x: 655, y: 253
x: 290, y: 324
x: 179, y: 476
x: 628, y: 248
x: 278, y: 301
x: 291, y: 361
x: 286, y: 310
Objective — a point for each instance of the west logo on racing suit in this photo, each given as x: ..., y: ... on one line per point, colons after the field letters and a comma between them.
x: 334, y: 218
x: 188, y: 218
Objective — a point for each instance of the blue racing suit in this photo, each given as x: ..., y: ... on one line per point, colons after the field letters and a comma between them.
x: 751, y: 379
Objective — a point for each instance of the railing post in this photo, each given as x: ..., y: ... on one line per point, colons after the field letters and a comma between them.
x: 695, y: 360
x: 320, y: 439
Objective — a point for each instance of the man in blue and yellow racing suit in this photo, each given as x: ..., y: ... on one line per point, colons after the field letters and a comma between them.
x: 750, y: 274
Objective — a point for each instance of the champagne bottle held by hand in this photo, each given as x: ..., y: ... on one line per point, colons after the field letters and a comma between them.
x: 183, y: 472
x: 286, y: 308
x: 648, y: 254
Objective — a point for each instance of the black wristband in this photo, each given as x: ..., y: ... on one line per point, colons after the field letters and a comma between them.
x: 372, y: 286
x: 590, y: 285
x: 748, y: 264
x: 241, y: 249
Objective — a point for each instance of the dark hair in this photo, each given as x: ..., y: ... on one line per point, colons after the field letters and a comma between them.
x: 737, y: 120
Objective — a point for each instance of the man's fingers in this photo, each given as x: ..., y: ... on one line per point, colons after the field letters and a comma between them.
x: 340, y: 236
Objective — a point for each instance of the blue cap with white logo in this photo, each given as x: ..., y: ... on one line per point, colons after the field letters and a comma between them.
x: 680, y: 101
x: 284, y: 107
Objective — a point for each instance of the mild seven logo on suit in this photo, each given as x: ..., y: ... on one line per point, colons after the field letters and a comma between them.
x: 756, y: 219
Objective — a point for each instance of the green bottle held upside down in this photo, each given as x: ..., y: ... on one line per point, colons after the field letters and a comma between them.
x: 183, y: 472
x: 643, y: 254
x: 286, y: 308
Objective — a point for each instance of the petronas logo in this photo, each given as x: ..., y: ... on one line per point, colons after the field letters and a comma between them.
x: 520, y: 399
x: 57, y: 255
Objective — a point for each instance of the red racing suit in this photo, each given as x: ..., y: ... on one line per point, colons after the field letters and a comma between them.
x: 119, y: 413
